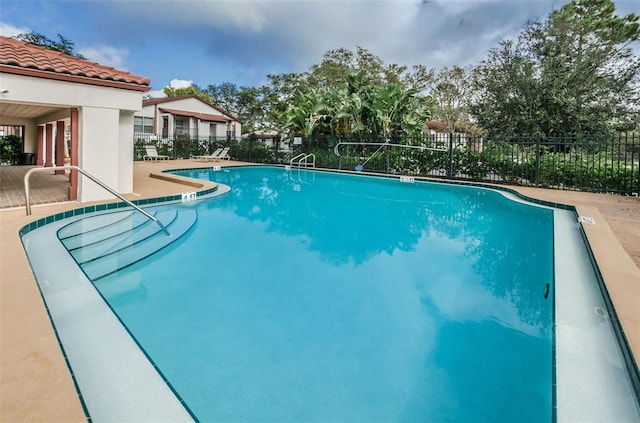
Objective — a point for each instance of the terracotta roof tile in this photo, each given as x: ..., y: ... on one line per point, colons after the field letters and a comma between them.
x: 21, y: 55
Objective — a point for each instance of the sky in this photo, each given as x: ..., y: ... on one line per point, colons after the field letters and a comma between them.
x: 209, y: 42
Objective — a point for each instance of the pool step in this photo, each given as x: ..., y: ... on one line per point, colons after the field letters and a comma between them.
x: 90, y: 230
x: 114, y: 242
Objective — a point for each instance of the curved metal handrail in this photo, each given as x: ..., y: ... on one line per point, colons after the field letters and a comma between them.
x: 296, y: 157
x: 303, y: 157
x: 27, y: 193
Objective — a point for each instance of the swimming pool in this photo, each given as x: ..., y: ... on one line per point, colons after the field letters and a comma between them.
x: 306, y: 295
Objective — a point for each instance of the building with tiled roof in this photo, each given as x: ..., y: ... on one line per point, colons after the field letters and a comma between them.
x: 20, y: 58
x: 70, y: 110
x: 186, y: 116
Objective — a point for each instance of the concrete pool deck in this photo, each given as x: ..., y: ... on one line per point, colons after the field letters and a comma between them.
x: 35, y: 381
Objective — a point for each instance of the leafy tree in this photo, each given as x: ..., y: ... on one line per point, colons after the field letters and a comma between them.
x: 337, y: 65
x: 357, y: 107
x: 450, y: 94
x: 244, y: 102
x: 573, y: 73
x: 225, y: 95
x: 332, y: 72
x: 63, y: 45
x: 344, y: 79
x: 192, y: 89
x: 275, y: 97
x: 583, y: 53
x: 506, y: 92
x: 420, y: 78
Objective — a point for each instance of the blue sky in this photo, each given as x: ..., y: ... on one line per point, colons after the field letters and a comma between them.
x: 241, y: 41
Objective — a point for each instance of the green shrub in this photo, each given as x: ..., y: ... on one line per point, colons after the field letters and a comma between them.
x: 249, y: 150
x: 10, y: 149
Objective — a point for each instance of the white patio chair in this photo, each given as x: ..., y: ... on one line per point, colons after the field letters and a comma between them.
x: 206, y: 158
x: 152, y: 154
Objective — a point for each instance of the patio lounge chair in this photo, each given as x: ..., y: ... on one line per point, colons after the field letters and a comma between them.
x: 224, y: 154
x: 213, y: 156
x: 152, y: 154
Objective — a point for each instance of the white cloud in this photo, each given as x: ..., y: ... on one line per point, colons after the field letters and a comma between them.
x: 180, y: 83
x: 106, y: 55
x: 155, y: 94
x: 175, y: 83
x: 8, y: 30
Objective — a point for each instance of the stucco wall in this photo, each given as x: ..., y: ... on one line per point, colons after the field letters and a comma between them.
x: 125, y: 152
x: 67, y: 94
x: 194, y: 125
x: 99, y: 131
x: 105, y: 141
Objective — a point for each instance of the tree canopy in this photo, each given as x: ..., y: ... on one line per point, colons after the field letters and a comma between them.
x: 358, y: 107
x: 63, y: 45
x: 574, y: 73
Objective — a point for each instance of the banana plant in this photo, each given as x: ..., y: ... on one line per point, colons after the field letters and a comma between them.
x: 308, y: 111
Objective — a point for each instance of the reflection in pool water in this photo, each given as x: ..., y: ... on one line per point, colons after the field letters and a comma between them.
x: 312, y: 296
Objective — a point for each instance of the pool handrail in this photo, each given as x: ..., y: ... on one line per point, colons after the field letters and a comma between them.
x: 27, y: 193
x: 303, y: 157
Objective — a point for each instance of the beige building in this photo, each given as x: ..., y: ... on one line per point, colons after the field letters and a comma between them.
x: 71, y: 110
x: 185, y: 117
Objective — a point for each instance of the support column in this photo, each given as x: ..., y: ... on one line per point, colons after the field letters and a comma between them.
x: 73, y: 176
x: 48, y: 145
x: 40, y: 152
x: 60, y: 146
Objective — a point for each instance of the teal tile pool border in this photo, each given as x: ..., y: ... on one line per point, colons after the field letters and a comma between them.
x: 103, y: 207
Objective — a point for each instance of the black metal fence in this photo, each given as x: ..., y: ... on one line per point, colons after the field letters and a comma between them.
x: 603, y: 163
x: 251, y: 149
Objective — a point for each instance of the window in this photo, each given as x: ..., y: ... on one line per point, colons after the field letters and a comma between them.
x: 179, y: 128
x: 142, y: 125
x: 231, y: 130
x: 165, y: 126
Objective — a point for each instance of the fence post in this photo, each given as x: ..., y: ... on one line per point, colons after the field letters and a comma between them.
x: 450, y: 171
x: 387, y: 154
x: 633, y: 144
x: 537, y: 180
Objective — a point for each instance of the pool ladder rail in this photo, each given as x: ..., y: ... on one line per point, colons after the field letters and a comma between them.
x: 302, y: 159
x: 27, y: 191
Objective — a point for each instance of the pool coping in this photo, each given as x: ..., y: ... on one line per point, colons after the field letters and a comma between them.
x: 613, y: 262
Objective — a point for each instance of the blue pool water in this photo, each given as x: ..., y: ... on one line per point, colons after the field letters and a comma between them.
x: 310, y: 296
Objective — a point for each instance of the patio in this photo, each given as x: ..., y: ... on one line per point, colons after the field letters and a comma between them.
x: 46, y: 187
